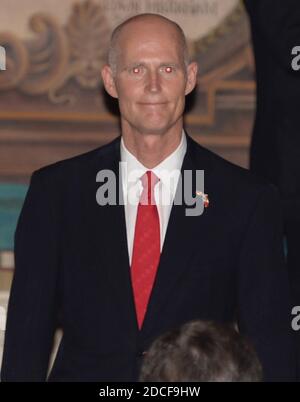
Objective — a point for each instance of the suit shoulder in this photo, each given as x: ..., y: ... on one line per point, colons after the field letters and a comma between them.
x: 231, y: 174
x: 79, y: 161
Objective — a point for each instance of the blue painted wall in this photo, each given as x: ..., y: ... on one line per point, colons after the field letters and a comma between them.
x: 11, y: 200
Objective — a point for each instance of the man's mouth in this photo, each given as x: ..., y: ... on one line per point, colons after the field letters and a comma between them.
x: 152, y: 103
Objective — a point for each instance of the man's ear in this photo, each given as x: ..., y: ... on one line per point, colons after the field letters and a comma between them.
x: 192, y: 71
x: 108, y: 81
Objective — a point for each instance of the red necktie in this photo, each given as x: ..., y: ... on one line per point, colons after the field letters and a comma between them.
x: 146, y: 246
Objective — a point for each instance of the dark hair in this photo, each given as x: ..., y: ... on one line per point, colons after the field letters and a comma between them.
x: 201, y: 351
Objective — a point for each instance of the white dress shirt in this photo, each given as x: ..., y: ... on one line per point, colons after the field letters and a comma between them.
x: 168, y: 172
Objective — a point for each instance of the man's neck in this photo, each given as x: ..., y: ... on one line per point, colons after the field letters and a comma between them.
x: 152, y: 149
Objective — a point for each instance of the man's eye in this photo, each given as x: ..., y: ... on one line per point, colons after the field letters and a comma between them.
x: 168, y: 69
x: 136, y: 70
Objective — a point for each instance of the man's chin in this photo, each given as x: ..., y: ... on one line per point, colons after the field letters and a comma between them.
x: 155, y: 126
x: 157, y: 130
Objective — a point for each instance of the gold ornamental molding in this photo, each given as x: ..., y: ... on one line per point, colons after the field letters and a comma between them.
x: 59, y: 116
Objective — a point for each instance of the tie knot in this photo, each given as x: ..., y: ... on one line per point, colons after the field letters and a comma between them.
x: 149, y: 180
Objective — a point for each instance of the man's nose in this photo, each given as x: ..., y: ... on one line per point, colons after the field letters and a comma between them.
x: 153, y: 82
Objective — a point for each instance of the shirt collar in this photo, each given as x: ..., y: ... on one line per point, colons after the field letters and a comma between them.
x: 172, y: 163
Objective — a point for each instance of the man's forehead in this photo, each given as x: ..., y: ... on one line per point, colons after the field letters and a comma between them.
x: 146, y: 33
x: 149, y: 42
x: 150, y: 52
x: 148, y: 28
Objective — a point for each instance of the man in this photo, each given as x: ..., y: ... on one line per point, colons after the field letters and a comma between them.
x: 119, y: 276
x: 275, y: 148
x: 201, y: 351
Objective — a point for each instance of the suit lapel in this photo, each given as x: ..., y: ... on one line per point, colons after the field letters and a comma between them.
x: 184, y: 234
x: 109, y: 225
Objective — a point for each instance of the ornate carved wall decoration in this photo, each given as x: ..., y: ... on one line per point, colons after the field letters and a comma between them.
x: 17, y: 61
x: 61, y: 65
x: 57, y: 54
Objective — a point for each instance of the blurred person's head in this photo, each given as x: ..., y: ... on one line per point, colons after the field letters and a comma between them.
x: 201, y: 351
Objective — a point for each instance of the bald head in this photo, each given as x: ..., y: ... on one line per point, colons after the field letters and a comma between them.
x: 150, y: 76
x: 154, y: 21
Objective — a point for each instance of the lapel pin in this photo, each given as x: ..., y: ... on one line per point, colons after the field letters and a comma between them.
x: 204, y: 197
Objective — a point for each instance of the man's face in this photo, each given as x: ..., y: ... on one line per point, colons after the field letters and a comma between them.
x: 151, y: 79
